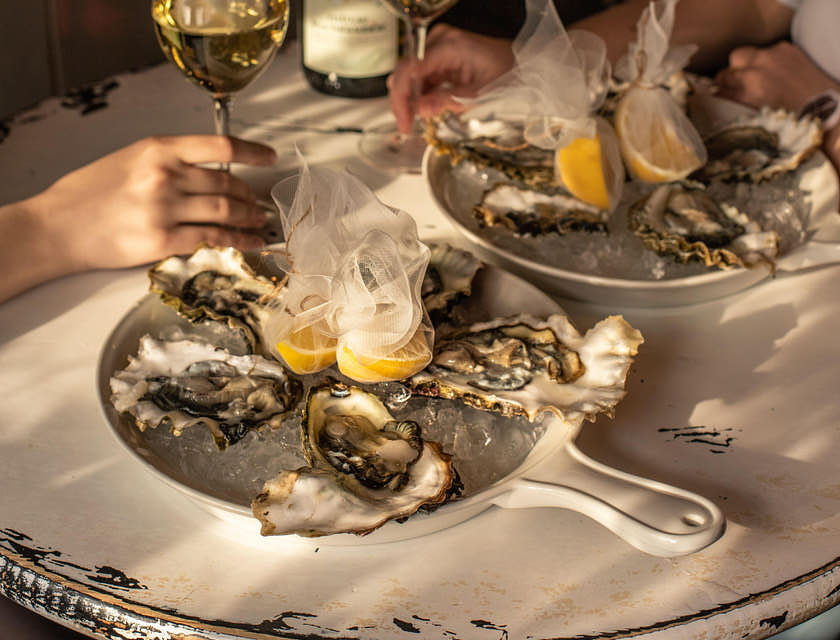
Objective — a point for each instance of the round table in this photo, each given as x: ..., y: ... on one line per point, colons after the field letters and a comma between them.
x: 733, y: 399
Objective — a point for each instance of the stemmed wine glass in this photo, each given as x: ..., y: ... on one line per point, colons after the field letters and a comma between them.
x: 385, y: 146
x: 220, y: 45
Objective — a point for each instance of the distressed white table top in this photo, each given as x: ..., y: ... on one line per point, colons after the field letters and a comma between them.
x: 735, y: 400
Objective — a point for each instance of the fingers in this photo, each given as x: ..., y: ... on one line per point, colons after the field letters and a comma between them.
x: 747, y: 86
x: 437, y: 102
x: 212, y: 196
x: 203, y: 149
x: 199, y: 180
x: 399, y: 96
x: 183, y: 239
x: 442, y: 56
x: 742, y: 57
x: 441, y: 31
x: 219, y: 210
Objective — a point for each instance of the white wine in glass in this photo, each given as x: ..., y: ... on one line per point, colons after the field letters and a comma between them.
x: 385, y: 147
x: 220, y: 45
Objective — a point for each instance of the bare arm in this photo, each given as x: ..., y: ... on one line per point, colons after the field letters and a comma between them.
x: 131, y: 207
x: 716, y: 26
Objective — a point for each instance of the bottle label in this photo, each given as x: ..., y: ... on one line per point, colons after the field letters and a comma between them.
x: 350, y: 38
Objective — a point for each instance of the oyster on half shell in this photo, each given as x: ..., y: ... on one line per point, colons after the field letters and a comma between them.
x: 215, y: 283
x: 525, y: 366
x: 365, y: 469
x: 687, y: 223
x: 448, y: 279
x: 492, y: 142
x: 533, y: 213
x: 183, y: 383
x: 760, y: 146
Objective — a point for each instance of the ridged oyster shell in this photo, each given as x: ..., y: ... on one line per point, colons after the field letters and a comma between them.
x: 365, y: 469
x: 448, y: 279
x: 525, y: 365
x: 760, y: 146
x: 183, y: 383
x: 215, y: 283
x: 529, y: 212
x: 687, y: 223
x: 492, y: 142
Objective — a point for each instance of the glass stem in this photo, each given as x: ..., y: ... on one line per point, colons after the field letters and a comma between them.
x: 418, y: 33
x: 221, y: 119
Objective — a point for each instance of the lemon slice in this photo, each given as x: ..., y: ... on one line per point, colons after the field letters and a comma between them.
x: 656, y: 149
x: 308, y: 350
x: 581, y: 168
x: 402, y: 363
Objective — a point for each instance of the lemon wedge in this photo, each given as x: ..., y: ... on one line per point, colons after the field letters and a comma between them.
x: 656, y: 149
x: 308, y: 350
x: 581, y: 168
x: 402, y: 363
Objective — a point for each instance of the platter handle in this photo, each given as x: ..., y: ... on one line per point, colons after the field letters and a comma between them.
x: 654, y: 517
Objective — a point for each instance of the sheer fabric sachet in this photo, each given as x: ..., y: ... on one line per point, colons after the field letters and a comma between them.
x: 355, y: 269
x: 559, y: 81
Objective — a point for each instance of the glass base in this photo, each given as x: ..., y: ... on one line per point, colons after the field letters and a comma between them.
x: 386, y: 148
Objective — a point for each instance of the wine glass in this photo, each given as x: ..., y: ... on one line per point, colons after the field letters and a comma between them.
x: 220, y: 45
x: 385, y: 146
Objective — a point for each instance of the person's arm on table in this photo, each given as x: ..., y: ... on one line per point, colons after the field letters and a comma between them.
x: 131, y: 207
x: 715, y: 26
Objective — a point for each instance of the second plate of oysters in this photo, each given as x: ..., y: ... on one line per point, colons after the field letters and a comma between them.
x: 632, y: 183
x: 754, y: 210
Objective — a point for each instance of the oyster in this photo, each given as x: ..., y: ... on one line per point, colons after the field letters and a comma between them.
x: 687, y: 223
x: 215, y: 283
x: 495, y: 143
x: 185, y: 382
x: 525, y: 365
x: 529, y: 212
x: 365, y: 469
x: 760, y: 146
x: 448, y: 279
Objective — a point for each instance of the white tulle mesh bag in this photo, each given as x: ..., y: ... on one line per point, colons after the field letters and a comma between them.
x: 354, y: 273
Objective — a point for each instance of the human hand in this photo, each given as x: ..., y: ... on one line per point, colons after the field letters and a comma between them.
x: 456, y: 63
x: 780, y: 76
x: 150, y: 200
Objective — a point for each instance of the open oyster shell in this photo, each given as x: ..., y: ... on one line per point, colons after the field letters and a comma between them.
x: 215, y: 283
x: 183, y: 383
x: 529, y: 212
x: 492, y: 142
x: 525, y: 365
x: 760, y: 146
x: 448, y: 279
x: 365, y: 469
x: 687, y: 223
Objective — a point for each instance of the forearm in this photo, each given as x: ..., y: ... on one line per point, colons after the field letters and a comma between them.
x: 715, y: 26
x: 30, y: 251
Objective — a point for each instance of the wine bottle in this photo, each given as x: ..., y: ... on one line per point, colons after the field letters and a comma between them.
x: 348, y: 46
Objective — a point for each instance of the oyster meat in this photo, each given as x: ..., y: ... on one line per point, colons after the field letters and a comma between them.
x: 182, y: 383
x: 215, y: 283
x: 525, y: 366
x: 687, y: 223
x: 533, y: 213
x: 365, y: 469
x: 760, y: 146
